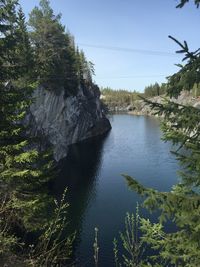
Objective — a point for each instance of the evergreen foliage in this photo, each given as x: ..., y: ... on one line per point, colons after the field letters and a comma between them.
x: 21, y: 171
x: 155, y: 90
x: 24, y: 49
x: 196, y: 90
x: 24, y: 170
x: 183, y: 2
x: 59, y: 64
x: 118, y: 98
x: 182, y: 203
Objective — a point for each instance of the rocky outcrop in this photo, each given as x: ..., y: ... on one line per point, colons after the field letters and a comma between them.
x: 141, y: 108
x: 63, y: 121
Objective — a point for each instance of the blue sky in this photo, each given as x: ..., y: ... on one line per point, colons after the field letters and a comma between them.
x: 132, y: 24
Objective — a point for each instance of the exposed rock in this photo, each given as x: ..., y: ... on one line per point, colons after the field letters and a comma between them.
x: 67, y: 120
x: 197, y: 105
x: 130, y: 108
x: 185, y: 98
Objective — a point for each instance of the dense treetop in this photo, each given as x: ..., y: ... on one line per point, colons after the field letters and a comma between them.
x: 58, y: 62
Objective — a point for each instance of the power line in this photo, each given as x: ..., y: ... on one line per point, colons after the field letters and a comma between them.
x: 131, y: 50
x: 133, y: 76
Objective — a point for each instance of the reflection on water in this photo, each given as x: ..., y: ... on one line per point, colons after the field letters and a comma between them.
x: 78, y: 173
x: 97, y: 192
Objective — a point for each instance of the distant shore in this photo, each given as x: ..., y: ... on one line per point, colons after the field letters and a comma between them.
x: 139, y: 107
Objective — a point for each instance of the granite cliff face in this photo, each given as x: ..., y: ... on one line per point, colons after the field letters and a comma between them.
x: 65, y: 120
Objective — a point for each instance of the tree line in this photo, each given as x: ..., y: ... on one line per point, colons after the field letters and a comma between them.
x: 118, y: 98
x: 123, y: 98
x: 155, y: 90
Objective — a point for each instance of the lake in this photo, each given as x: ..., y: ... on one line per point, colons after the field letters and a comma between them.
x: 97, y: 192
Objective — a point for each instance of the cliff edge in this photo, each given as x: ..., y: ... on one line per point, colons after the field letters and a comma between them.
x: 64, y: 120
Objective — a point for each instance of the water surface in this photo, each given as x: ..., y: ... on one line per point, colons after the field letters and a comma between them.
x: 98, y: 194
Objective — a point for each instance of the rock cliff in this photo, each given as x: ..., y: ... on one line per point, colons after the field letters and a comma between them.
x: 64, y: 120
x: 139, y: 107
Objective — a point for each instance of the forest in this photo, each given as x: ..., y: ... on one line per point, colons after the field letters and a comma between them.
x: 123, y: 99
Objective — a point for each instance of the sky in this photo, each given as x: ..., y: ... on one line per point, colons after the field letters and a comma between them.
x: 127, y: 40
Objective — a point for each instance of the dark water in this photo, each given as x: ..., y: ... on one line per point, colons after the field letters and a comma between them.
x: 98, y: 194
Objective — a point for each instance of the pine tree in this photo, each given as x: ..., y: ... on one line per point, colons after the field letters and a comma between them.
x: 8, y: 20
x: 23, y: 48
x: 154, y: 90
x: 86, y: 69
x: 71, y: 82
x: 54, y: 50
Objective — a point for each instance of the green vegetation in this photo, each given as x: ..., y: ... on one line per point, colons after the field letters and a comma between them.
x: 113, y: 99
x: 195, y: 90
x: 25, y: 170
x: 123, y: 100
x: 54, y: 247
x: 135, y: 242
x: 58, y: 62
x: 182, y: 204
x: 132, y: 244
x: 116, y: 100
x: 155, y: 90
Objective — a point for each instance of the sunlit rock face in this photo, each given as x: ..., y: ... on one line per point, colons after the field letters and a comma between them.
x: 63, y: 121
x: 186, y: 98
